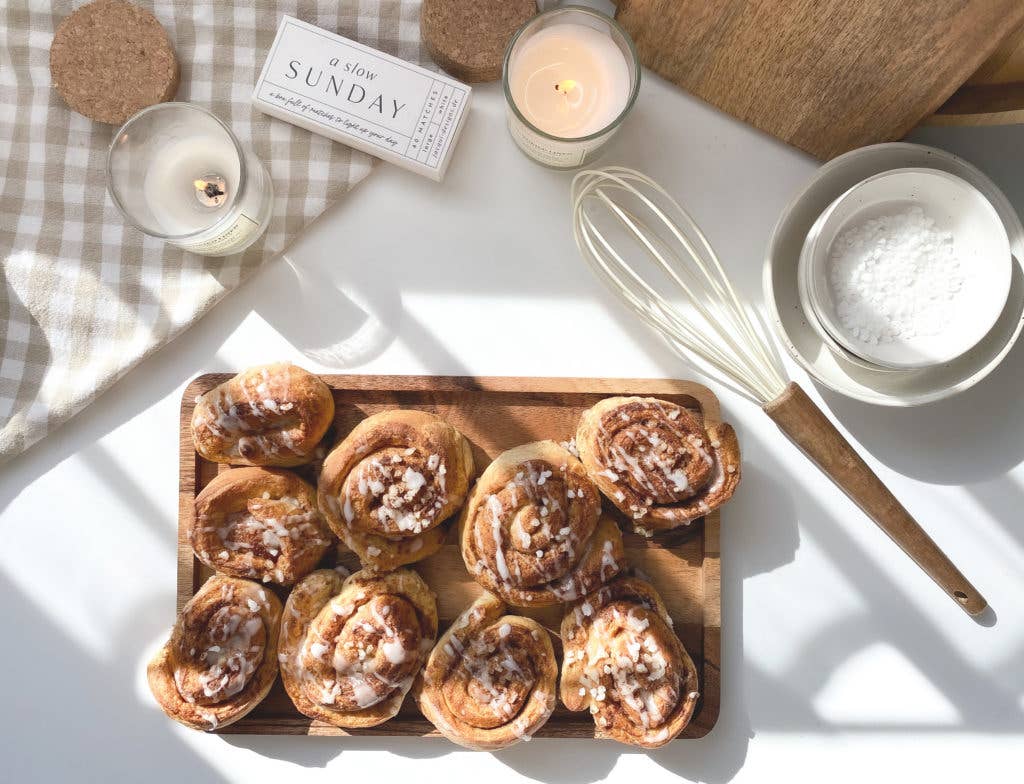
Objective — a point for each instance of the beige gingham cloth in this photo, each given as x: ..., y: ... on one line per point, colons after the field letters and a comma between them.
x: 84, y: 297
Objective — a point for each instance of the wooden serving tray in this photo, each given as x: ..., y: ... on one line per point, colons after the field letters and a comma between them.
x: 494, y: 414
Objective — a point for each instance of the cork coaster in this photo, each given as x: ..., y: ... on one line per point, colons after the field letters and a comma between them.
x: 109, y: 59
x: 468, y: 39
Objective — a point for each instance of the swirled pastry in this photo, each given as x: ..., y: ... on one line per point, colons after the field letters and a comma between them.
x: 350, y: 649
x: 261, y: 523
x: 221, y: 659
x: 490, y: 680
x: 389, y: 485
x: 269, y: 415
x: 624, y: 663
x: 532, y: 530
x: 655, y: 461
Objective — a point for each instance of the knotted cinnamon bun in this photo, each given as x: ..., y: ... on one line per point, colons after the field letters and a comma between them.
x: 261, y: 523
x: 221, y: 659
x: 532, y: 530
x: 350, y: 649
x: 655, y: 461
x: 490, y: 680
x: 389, y: 485
x: 269, y: 415
x: 623, y: 662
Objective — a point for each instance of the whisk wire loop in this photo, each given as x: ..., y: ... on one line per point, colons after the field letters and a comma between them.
x: 716, y: 330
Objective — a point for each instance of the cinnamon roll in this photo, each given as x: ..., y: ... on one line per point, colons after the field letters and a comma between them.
x: 389, y: 485
x: 269, y: 415
x: 624, y: 663
x: 490, y: 680
x: 350, y: 649
x: 655, y: 461
x: 532, y: 530
x: 261, y: 523
x: 221, y: 659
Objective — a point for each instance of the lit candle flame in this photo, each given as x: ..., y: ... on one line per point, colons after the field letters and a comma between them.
x: 566, y: 85
x: 210, y: 190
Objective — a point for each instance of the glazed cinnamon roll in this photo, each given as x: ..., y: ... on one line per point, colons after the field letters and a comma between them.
x: 260, y: 523
x: 350, y: 648
x: 624, y: 663
x: 532, y: 530
x: 389, y: 485
x: 490, y: 680
x: 656, y: 462
x: 269, y: 415
x: 221, y: 659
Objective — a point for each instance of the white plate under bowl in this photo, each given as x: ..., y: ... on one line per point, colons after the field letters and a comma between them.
x: 905, y: 388
x: 980, y: 243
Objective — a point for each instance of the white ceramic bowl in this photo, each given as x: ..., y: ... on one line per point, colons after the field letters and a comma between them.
x: 805, y: 345
x: 980, y: 243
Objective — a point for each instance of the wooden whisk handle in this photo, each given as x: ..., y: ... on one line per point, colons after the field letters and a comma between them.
x: 805, y: 424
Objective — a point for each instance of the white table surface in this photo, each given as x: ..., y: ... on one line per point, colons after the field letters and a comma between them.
x: 842, y: 662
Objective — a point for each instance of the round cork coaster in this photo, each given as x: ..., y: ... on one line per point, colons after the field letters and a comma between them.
x: 468, y: 40
x: 109, y: 59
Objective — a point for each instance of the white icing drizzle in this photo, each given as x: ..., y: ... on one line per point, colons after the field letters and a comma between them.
x: 394, y: 651
x: 609, y: 566
x: 494, y: 506
x: 231, y: 658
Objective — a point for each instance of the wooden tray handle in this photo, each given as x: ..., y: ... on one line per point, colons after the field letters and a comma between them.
x: 805, y: 424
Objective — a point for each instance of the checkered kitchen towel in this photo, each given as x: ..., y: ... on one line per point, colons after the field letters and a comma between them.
x: 83, y: 297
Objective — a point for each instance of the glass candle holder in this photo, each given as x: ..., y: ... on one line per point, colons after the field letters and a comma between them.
x: 178, y: 173
x: 570, y: 75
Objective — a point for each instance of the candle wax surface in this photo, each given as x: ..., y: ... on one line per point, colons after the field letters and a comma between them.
x: 169, y: 187
x: 569, y: 80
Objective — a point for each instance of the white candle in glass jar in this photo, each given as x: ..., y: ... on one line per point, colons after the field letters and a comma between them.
x: 569, y: 80
x: 178, y: 173
x: 570, y: 77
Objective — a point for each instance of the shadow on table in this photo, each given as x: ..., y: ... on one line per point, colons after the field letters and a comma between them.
x: 106, y: 717
x: 972, y: 437
x: 982, y: 696
x: 981, y: 441
x: 983, y: 699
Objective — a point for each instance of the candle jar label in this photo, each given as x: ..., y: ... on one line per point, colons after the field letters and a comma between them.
x: 543, y: 150
x: 557, y: 154
x: 235, y: 237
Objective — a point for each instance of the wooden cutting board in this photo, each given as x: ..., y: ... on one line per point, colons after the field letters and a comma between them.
x: 823, y: 75
x: 494, y: 414
x: 994, y: 95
